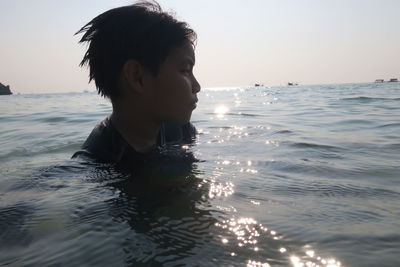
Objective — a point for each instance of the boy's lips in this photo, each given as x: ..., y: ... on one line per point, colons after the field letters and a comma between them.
x: 193, y: 104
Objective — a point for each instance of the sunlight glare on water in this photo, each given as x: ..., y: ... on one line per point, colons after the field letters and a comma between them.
x: 220, y: 111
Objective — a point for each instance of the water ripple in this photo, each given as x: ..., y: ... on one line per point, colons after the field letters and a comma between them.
x: 335, y: 191
x: 365, y: 99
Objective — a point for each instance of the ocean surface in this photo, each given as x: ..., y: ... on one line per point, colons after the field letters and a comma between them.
x: 287, y: 176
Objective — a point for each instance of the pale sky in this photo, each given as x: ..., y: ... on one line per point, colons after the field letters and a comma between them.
x: 239, y: 42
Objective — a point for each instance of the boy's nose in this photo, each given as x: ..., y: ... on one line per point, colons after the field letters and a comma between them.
x: 196, y: 86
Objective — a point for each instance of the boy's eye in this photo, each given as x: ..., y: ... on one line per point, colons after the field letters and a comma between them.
x: 187, y: 68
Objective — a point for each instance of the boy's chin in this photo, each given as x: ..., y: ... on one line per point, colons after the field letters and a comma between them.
x: 180, y: 121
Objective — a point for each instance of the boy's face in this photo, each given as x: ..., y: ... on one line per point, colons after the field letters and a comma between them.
x: 172, y: 93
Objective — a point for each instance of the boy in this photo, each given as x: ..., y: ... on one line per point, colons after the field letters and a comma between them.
x: 142, y: 59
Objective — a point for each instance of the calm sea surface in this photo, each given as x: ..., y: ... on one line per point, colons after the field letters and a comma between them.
x: 287, y: 176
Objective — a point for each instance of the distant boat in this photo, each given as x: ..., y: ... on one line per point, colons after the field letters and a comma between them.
x: 5, y: 90
x: 258, y: 84
x: 292, y: 84
x: 379, y: 80
x: 393, y: 80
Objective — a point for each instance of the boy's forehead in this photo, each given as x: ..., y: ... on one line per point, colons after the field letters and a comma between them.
x: 184, y: 52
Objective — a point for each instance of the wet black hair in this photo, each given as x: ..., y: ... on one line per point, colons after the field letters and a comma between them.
x: 142, y: 31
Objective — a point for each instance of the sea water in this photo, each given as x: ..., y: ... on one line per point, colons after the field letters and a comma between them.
x: 286, y: 176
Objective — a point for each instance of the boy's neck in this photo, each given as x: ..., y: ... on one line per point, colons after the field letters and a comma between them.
x: 140, y: 132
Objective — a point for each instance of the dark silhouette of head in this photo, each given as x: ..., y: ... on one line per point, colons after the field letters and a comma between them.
x: 142, y: 32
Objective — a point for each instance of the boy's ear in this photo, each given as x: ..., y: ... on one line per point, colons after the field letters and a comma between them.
x: 133, y: 72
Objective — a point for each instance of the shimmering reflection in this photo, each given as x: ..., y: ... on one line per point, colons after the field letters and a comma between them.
x: 247, y: 236
x: 272, y: 143
x: 218, y: 189
x: 312, y: 261
x: 220, y: 111
x: 246, y: 231
x: 251, y: 263
x: 234, y: 132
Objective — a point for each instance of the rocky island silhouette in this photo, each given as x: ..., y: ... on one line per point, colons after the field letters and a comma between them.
x: 5, y: 90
